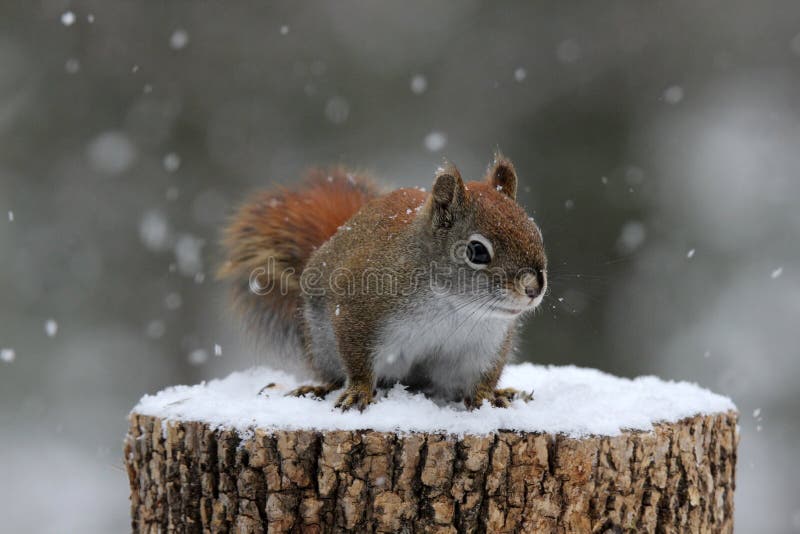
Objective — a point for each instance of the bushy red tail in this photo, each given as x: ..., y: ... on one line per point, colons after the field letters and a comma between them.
x: 269, y: 240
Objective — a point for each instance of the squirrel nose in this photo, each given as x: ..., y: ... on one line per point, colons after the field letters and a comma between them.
x: 535, y: 285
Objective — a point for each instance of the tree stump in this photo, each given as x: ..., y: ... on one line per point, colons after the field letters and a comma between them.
x: 191, y: 475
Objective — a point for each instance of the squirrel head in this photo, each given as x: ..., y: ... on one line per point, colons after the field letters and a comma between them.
x: 493, y: 249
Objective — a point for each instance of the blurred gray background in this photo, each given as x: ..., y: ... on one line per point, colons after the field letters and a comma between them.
x: 658, y: 144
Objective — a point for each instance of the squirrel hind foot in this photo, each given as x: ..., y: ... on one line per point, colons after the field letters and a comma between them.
x: 355, y: 396
x: 318, y: 392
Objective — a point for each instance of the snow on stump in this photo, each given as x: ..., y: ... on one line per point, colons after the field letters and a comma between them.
x: 590, y: 453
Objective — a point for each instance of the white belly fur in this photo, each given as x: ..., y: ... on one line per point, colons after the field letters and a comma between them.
x: 455, y: 346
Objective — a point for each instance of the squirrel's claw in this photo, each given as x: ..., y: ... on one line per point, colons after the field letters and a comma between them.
x: 355, y: 396
x: 317, y: 392
x: 499, y: 398
x: 500, y: 401
x: 513, y: 394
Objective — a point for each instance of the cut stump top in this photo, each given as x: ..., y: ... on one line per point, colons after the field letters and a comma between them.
x: 569, y: 401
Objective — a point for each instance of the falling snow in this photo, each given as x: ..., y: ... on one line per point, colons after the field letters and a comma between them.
x: 8, y: 355
x: 172, y: 162
x: 154, y: 230
x: 217, y: 350
x: 198, y: 357
x: 673, y: 94
x: 284, y: 29
x: 111, y: 153
x: 419, y: 84
x: 68, y: 18
x: 776, y: 273
x: 179, y: 39
x: 51, y: 328
x: 435, y: 141
x: 337, y: 310
x: 520, y: 74
x: 188, y: 253
x: 173, y: 301
x: 757, y: 412
x: 690, y: 254
x: 10, y: 216
x: 155, y: 329
x: 72, y: 65
x: 631, y: 237
x: 337, y: 110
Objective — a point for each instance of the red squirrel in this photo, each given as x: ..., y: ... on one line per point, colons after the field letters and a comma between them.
x: 369, y: 289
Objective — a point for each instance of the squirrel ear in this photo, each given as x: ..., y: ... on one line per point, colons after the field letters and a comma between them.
x: 447, y: 195
x: 502, y: 176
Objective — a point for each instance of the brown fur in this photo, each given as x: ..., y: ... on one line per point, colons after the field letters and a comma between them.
x: 281, y: 228
x: 343, y: 224
x: 290, y: 224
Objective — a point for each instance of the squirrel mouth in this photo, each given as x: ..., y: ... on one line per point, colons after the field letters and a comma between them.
x: 507, y: 311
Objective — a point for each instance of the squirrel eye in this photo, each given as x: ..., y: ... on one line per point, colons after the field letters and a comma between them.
x: 478, y: 251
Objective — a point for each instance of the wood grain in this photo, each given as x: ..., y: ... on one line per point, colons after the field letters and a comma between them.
x: 188, y: 477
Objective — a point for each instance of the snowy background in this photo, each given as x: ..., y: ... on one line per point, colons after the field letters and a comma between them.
x: 658, y: 145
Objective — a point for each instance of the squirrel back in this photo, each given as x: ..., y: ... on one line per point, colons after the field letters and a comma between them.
x: 270, y: 239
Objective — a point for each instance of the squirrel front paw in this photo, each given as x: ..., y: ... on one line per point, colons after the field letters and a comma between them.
x: 355, y: 396
x: 499, y: 398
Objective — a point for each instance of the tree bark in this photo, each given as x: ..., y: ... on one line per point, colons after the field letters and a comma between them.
x: 187, y: 477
